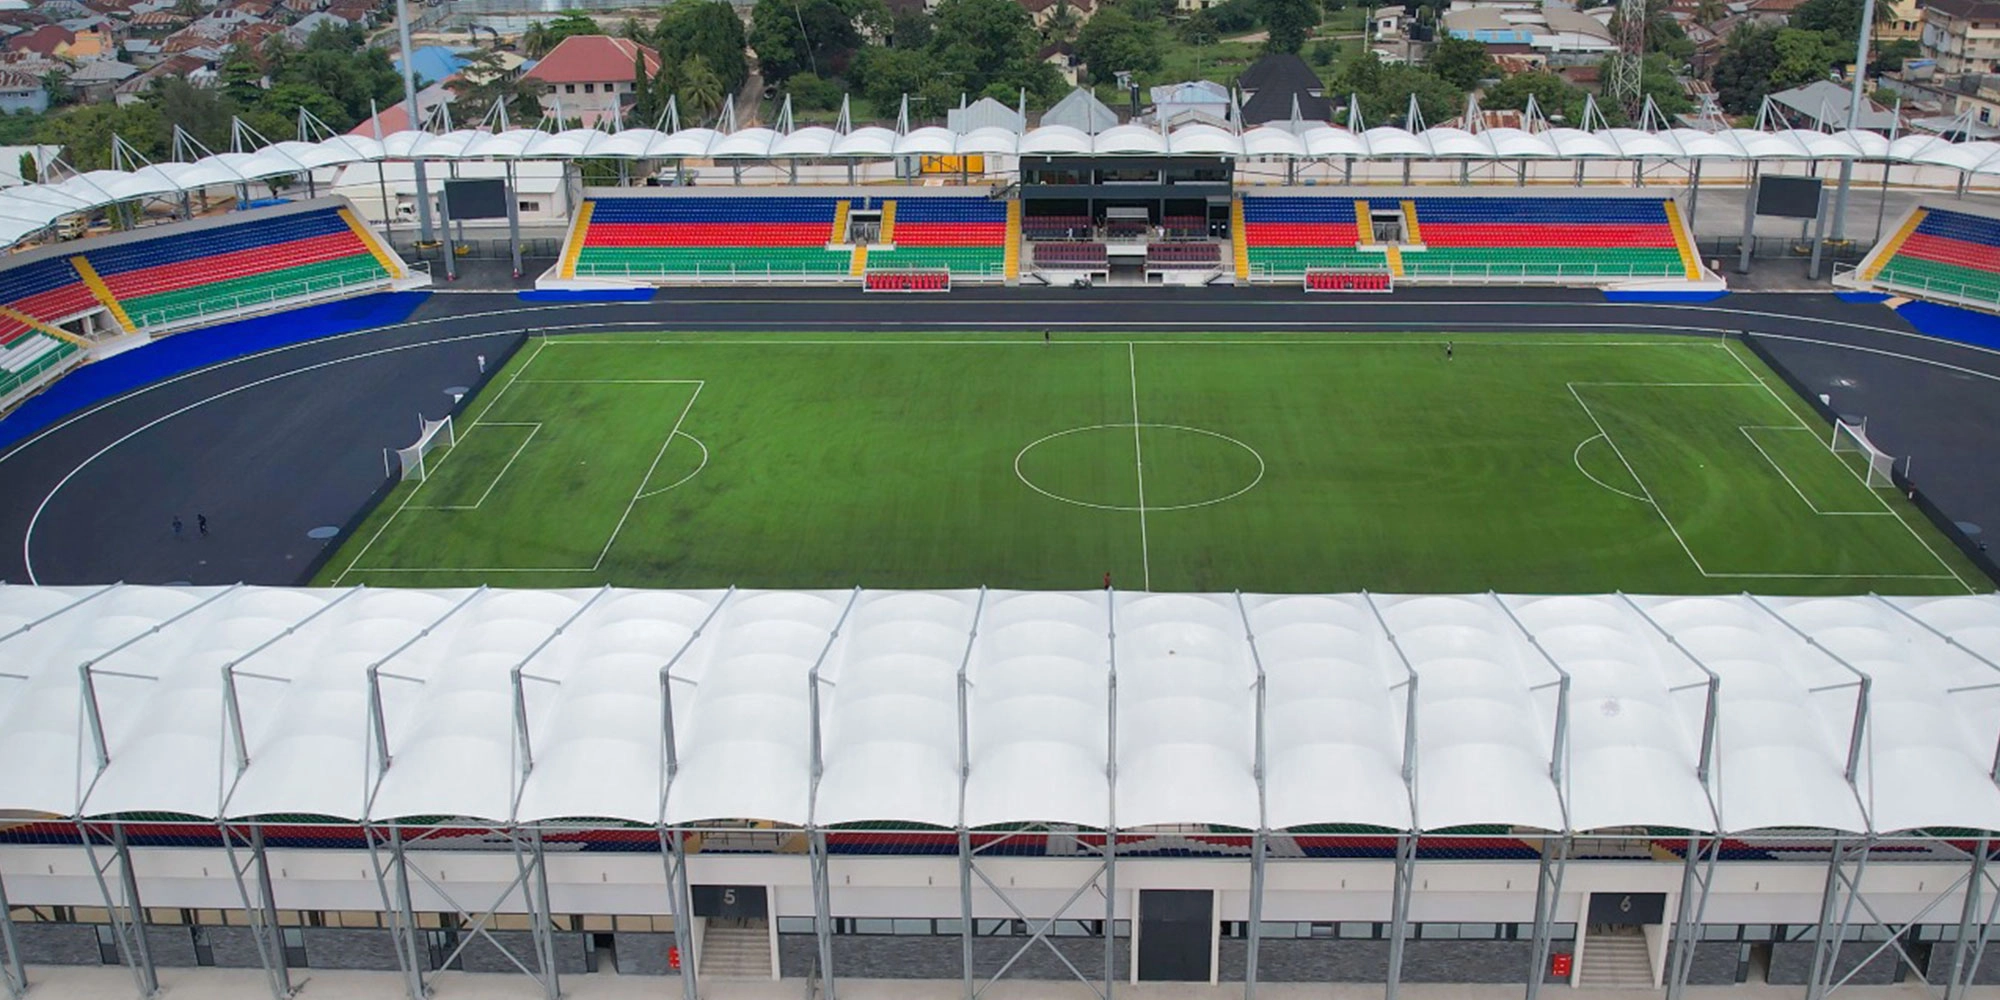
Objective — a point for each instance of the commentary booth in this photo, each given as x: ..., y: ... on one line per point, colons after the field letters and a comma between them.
x: 1126, y: 218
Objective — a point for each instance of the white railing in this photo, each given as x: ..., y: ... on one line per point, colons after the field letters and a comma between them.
x: 11, y: 381
x: 194, y: 313
x: 1415, y: 268
x: 725, y: 272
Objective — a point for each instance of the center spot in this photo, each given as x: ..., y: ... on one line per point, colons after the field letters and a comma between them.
x: 1100, y: 466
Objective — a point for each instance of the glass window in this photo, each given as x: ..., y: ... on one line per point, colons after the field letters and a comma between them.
x: 1437, y: 932
x: 866, y: 925
x: 913, y: 927
x: 993, y: 928
x: 569, y: 88
x: 953, y: 926
x: 1358, y: 929
x: 795, y: 925
x: 1483, y: 932
x: 590, y: 88
x: 1720, y: 932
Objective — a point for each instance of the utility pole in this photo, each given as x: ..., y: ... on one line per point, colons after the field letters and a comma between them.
x: 1854, y: 106
x: 410, y: 100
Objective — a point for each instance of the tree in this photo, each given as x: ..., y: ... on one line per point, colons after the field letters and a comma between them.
x: 1114, y: 42
x: 1287, y: 23
x: 910, y: 29
x: 29, y: 170
x: 1199, y: 29
x: 1710, y: 11
x: 535, y: 40
x: 1062, y: 24
x: 1803, y: 56
x: 570, y: 23
x: 1743, y: 72
x: 981, y: 42
x: 85, y: 133
x: 1233, y: 15
x: 1384, y: 90
x: 55, y: 83
x: 883, y: 76
x: 200, y: 112
x: 1839, y: 18
x: 483, y: 82
x: 633, y: 30
x: 709, y: 29
x: 701, y: 92
x: 1460, y: 62
x: 1555, y: 96
x: 242, y: 79
x: 796, y: 36
x: 813, y: 93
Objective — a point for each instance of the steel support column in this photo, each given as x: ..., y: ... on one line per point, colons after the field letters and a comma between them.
x: 1971, y: 945
x: 1840, y: 894
x: 13, y: 968
x: 260, y: 910
x: 1399, y: 910
x: 1255, y: 935
x: 1111, y: 802
x: 1697, y: 871
x: 1548, y: 893
x: 822, y: 912
x: 674, y: 852
x: 402, y: 916
x: 965, y: 910
x: 128, y: 921
x: 543, y: 916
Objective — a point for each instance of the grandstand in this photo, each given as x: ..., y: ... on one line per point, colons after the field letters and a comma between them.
x: 1948, y: 254
x: 1207, y: 787
x: 1486, y: 237
x: 695, y: 235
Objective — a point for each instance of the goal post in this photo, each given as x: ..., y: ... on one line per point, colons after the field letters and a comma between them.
x: 1851, y: 444
x: 431, y: 435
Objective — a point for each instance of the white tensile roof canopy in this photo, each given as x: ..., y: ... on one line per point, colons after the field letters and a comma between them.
x: 974, y: 708
x: 29, y: 208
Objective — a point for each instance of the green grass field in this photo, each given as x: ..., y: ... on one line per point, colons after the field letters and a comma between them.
x: 1261, y: 463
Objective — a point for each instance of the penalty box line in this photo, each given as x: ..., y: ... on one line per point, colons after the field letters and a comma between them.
x: 1872, y: 491
x: 638, y: 493
x: 1675, y: 530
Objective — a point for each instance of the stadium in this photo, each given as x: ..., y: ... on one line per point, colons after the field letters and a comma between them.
x: 1291, y: 559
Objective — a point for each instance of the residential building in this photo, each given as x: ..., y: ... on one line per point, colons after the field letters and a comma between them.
x: 48, y: 40
x: 98, y: 79
x: 1199, y: 99
x: 1823, y: 103
x: 1905, y: 21
x: 1548, y: 29
x: 589, y: 76
x: 1962, y: 36
x: 1279, y: 86
x: 20, y: 92
x: 1044, y: 11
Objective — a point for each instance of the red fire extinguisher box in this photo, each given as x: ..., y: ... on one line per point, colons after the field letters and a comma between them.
x: 1559, y: 964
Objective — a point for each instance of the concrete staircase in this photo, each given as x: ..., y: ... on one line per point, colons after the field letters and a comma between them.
x: 736, y: 952
x: 1615, y: 960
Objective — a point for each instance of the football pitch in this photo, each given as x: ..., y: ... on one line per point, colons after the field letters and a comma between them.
x: 1279, y: 463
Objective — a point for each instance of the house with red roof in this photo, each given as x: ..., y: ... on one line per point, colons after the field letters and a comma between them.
x: 589, y: 76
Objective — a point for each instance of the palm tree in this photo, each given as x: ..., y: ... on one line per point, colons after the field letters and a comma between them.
x: 535, y: 40
x: 1708, y: 12
x: 700, y: 89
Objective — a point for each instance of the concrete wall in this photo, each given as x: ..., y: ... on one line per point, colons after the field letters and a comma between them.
x: 1938, y: 969
x: 1310, y: 960
x: 350, y: 948
x: 480, y: 955
x: 641, y: 954
x: 1791, y: 963
x: 172, y: 946
x: 863, y: 956
x: 233, y: 947
x: 1715, y: 963
x: 58, y: 944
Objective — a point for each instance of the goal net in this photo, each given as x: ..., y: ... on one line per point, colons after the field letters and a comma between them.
x: 1850, y: 442
x: 434, y: 434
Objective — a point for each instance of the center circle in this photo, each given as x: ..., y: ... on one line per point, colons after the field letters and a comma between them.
x: 1114, y: 466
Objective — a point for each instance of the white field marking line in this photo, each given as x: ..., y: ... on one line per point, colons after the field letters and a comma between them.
x: 1655, y: 504
x: 613, y: 381
x: 572, y: 307
x: 488, y: 408
x: 1262, y: 468
x: 1780, y: 470
x: 534, y: 429
x: 691, y: 475
x: 1139, y: 464
x: 641, y: 489
x: 1576, y: 457
x: 1872, y: 491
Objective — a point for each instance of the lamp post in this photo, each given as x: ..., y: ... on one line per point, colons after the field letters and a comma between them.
x: 410, y: 101
x: 1854, y: 106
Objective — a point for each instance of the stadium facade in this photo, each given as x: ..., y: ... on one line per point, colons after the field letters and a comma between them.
x: 974, y: 785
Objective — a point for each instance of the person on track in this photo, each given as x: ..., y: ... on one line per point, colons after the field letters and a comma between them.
x: 201, y: 524
x: 177, y: 527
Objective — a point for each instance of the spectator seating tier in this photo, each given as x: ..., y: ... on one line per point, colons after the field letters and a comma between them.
x: 1545, y: 237
x: 1945, y: 252
x: 1056, y: 227
x: 908, y: 281
x: 660, y: 236
x: 963, y: 235
x: 1183, y: 256
x: 199, y: 272
x: 1091, y: 256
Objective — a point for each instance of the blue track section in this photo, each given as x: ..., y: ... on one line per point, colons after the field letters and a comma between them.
x: 1950, y: 323
x: 607, y: 295
x: 1862, y: 296
x: 221, y: 239
x: 185, y: 352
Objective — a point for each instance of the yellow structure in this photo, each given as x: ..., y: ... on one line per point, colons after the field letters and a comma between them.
x: 1364, y: 230
x: 575, y: 247
x: 1013, y: 258
x: 1239, y: 239
x: 375, y: 247
x: 54, y: 331
x: 1411, y: 232
x: 1682, y: 242
x: 859, y: 265
x: 888, y: 222
x: 839, y: 222
x: 102, y: 291
x: 1894, y: 243
x: 1395, y: 254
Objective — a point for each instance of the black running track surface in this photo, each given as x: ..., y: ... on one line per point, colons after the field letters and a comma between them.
x: 272, y: 446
